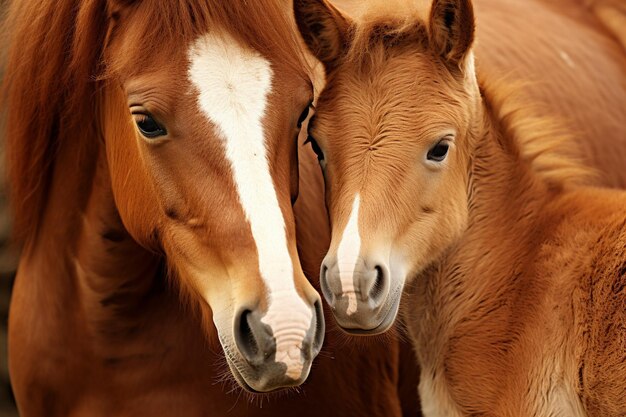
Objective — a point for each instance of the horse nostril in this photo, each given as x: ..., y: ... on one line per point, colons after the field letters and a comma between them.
x: 252, y: 338
x: 377, y: 290
x: 245, y: 338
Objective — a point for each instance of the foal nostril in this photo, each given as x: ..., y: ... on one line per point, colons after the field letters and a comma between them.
x: 325, y: 285
x: 378, y: 288
x: 375, y: 285
x: 253, y: 338
x: 320, y: 329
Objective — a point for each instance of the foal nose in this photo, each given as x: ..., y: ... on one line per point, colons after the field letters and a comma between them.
x: 257, y: 345
x: 356, y: 293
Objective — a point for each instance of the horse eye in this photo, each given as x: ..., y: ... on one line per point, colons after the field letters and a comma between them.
x: 148, y: 126
x: 316, y: 148
x: 438, y: 152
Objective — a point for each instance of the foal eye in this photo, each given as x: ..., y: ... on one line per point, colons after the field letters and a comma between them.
x: 316, y: 148
x: 148, y: 126
x: 438, y: 152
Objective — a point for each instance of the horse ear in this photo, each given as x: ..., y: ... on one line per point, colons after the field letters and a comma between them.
x: 452, y: 29
x: 323, y: 28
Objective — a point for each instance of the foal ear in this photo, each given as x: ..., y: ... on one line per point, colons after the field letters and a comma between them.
x: 452, y: 29
x: 323, y: 28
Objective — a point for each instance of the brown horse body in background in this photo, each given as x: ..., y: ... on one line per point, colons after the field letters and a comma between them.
x: 570, y: 67
x: 515, y: 269
x: 613, y: 14
x: 117, y: 218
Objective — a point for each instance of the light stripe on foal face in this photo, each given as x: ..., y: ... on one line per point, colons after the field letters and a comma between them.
x: 233, y: 85
x: 348, y: 256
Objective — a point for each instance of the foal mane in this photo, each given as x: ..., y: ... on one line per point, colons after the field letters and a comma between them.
x: 541, y: 140
x: 55, y: 65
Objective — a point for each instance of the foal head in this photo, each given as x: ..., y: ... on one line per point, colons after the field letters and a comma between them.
x: 392, y: 130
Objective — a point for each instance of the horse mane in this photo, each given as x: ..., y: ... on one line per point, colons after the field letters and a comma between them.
x: 55, y: 65
x: 50, y: 61
x: 542, y: 140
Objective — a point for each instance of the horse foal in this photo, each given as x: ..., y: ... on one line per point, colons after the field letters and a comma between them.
x: 513, y: 269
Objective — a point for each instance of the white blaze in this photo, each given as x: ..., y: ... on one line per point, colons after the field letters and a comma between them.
x: 348, y: 256
x: 233, y: 84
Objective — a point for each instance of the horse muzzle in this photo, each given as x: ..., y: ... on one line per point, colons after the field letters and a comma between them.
x: 271, y: 357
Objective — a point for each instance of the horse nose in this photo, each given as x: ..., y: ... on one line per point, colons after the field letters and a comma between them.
x: 257, y: 345
x: 253, y: 338
x: 356, y: 293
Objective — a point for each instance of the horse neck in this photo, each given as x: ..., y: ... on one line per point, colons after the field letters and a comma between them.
x: 83, y: 257
x: 115, y: 274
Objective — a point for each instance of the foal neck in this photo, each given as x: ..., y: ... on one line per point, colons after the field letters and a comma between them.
x: 468, y: 306
x: 504, y: 192
x: 506, y: 203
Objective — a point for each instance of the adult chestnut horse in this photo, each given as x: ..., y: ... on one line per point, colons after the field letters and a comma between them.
x: 151, y: 139
x: 518, y: 269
